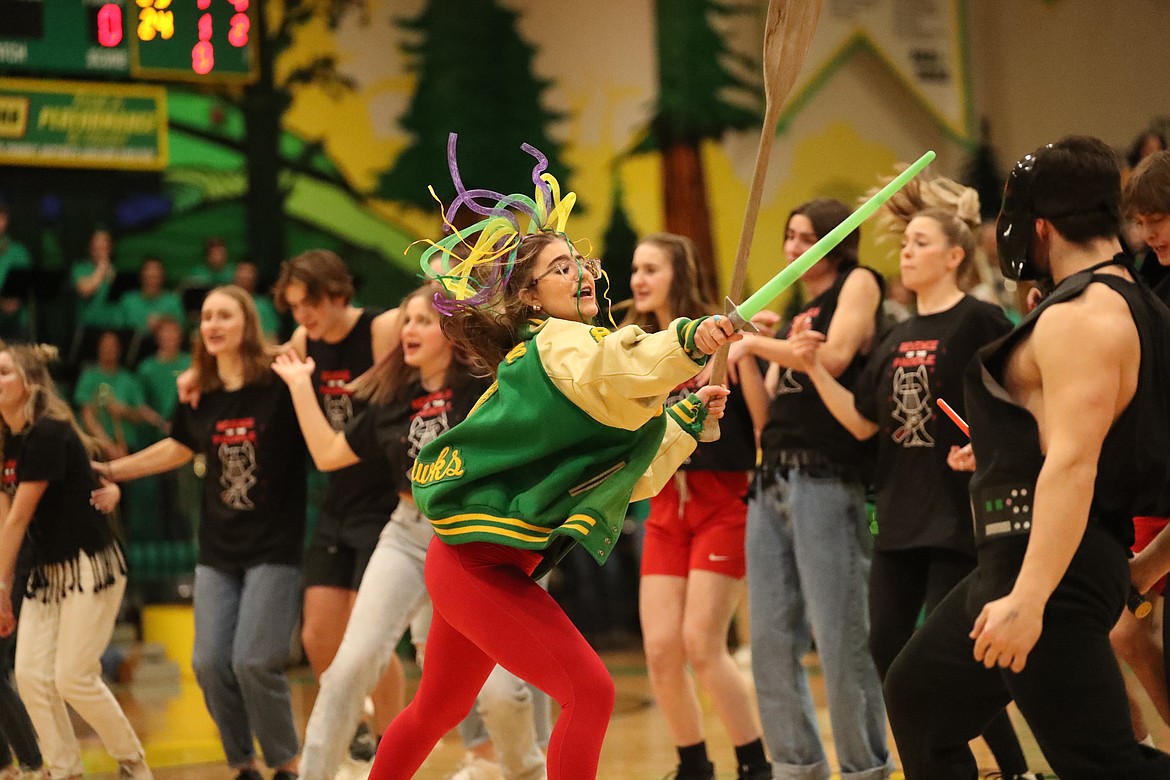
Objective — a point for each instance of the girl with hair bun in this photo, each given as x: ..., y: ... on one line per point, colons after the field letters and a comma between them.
x: 71, y: 598
x: 924, y: 545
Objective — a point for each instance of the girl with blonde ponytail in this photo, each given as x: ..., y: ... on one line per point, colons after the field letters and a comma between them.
x: 71, y: 598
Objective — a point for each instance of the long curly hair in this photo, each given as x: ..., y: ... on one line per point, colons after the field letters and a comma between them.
x: 484, y: 267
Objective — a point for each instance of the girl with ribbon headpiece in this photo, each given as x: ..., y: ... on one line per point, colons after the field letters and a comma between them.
x: 924, y: 545
x: 572, y: 428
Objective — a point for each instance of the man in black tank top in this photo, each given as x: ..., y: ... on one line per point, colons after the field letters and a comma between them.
x: 344, y: 341
x: 1070, y: 424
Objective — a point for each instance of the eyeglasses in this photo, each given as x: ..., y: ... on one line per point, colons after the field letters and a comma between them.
x: 571, y: 269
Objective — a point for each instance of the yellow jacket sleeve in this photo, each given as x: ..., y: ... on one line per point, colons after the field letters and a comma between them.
x: 620, y: 379
x: 677, y: 445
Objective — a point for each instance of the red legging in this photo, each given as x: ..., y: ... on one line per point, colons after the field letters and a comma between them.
x: 488, y: 611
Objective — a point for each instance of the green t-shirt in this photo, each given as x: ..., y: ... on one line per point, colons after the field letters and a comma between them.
x: 95, y: 388
x: 137, y: 309
x: 12, y: 255
x: 205, y: 276
x: 157, y: 378
x: 269, y: 316
x: 97, y: 311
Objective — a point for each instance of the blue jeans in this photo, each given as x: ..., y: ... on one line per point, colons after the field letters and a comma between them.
x: 243, y: 629
x: 808, y: 557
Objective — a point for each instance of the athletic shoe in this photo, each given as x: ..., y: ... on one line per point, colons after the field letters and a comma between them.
x: 364, y: 745
x: 249, y: 773
x: 475, y: 768
x: 134, y: 770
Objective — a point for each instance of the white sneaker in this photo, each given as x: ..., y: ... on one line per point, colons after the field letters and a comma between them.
x: 475, y: 768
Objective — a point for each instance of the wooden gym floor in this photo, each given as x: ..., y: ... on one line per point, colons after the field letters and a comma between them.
x: 181, y: 740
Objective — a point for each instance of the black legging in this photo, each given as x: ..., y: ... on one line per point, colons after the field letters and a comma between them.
x: 1071, y: 691
x: 16, y: 730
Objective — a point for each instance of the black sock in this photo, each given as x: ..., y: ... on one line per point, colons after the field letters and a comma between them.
x: 751, y: 755
x: 693, y: 760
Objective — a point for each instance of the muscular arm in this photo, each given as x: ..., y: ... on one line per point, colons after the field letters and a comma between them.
x: 1076, y: 374
x: 1087, y: 364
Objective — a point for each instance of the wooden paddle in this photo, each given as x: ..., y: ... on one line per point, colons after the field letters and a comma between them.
x: 788, y: 34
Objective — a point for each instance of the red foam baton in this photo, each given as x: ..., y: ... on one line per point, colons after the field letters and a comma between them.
x: 955, y: 418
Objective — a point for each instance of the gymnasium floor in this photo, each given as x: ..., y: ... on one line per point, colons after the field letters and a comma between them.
x: 181, y: 741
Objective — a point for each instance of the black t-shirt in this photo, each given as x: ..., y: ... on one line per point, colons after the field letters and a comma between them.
x: 922, y: 502
x: 797, y: 418
x: 358, y: 490
x: 397, y: 431
x: 254, y: 484
x: 64, y: 523
x: 24, y: 559
x: 735, y: 449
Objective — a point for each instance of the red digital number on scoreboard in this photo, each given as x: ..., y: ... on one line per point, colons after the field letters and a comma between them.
x: 109, y: 25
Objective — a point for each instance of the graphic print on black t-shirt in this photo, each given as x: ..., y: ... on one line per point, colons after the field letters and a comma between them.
x: 911, y: 392
x: 235, y: 442
x: 428, y: 419
x: 10, y: 477
x: 800, y: 323
x: 336, y: 399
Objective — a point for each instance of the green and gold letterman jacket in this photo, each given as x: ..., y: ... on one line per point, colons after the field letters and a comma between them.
x: 572, y: 430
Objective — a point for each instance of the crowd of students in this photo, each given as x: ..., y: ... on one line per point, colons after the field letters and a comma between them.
x: 428, y: 525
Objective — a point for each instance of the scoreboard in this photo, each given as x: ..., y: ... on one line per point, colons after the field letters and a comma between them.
x: 165, y: 40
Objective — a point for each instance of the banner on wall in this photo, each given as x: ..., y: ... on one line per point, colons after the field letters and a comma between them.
x: 921, y: 42
x: 67, y: 124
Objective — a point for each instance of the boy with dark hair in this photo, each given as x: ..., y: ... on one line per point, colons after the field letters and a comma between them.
x: 1070, y: 423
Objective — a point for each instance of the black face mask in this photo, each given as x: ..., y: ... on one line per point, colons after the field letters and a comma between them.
x: 1014, y: 227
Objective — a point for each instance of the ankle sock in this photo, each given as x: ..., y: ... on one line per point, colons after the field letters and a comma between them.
x: 751, y: 755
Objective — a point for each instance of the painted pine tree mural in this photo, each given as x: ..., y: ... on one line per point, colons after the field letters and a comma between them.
x: 474, y: 77
x: 617, y: 246
x: 700, y: 97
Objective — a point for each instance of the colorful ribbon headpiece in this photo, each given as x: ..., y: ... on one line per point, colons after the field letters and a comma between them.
x: 478, y: 261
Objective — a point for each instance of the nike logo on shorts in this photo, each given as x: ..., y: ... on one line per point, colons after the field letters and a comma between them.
x: 717, y: 558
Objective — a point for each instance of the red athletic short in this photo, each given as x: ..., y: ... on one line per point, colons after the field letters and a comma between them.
x: 1144, y: 531
x: 707, y: 534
